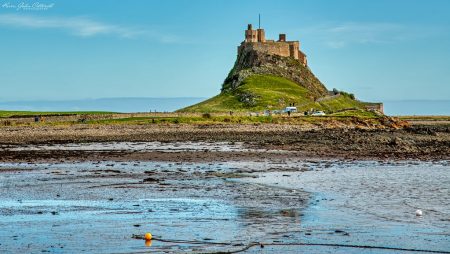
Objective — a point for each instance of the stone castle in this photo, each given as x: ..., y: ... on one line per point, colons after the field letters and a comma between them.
x: 256, y: 40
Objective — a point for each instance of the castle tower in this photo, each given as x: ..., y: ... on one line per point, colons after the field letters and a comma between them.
x: 254, y: 35
x: 261, y: 35
x: 250, y: 34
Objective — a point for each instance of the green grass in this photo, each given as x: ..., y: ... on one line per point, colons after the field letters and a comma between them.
x: 199, y: 119
x: 356, y: 112
x: 6, y: 113
x: 272, y: 93
x: 187, y: 120
x: 237, y: 119
x: 340, y: 103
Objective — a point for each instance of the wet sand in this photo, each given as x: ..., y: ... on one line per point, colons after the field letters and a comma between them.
x: 223, y: 188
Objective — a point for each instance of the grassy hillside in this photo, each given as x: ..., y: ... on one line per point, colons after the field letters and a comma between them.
x: 261, y: 92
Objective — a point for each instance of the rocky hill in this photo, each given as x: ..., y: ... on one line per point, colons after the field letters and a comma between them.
x: 250, y: 62
x: 260, y: 81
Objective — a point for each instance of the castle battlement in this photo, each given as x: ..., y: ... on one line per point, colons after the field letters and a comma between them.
x: 256, y: 40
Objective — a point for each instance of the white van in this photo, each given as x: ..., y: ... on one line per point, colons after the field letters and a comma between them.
x: 290, y: 109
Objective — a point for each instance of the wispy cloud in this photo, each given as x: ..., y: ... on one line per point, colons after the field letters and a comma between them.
x: 363, y: 33
x: 339, y: 35
x: 79, y: 26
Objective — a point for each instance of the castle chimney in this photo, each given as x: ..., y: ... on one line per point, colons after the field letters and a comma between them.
x: 249, y: 27
x: 282, y: 37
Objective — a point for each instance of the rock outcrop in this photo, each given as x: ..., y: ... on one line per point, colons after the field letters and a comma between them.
x: 250, y: 62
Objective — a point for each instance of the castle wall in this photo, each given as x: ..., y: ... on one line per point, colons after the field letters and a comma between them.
x: 294, y: 47
x: 375, y: 107
x: 302, y: 58
x: 272, y: 48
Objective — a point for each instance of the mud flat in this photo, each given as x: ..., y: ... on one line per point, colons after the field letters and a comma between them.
x: 212, y: 197
x: 423, y: 142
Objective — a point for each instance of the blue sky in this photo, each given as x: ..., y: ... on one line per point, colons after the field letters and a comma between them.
x: 379, y: 50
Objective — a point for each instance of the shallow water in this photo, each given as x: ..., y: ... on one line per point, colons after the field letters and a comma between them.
x: 372, y: 204
x: 107, y: 226
x: 96, y: 207
x: 137, y: 146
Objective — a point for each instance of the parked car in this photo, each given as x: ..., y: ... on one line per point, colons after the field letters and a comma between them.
x: 318, y: 113
x: 277, y: 112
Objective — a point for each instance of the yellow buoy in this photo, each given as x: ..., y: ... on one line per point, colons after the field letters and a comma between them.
x: 148, y: 236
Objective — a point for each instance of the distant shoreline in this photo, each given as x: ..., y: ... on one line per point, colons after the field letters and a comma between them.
x: 130, y: 105
x: 123, y: 105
